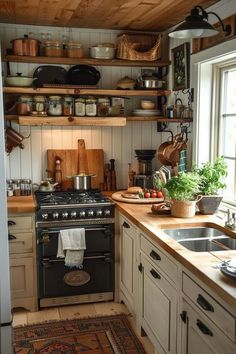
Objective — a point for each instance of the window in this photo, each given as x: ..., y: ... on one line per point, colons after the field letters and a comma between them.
x: 226, y: 127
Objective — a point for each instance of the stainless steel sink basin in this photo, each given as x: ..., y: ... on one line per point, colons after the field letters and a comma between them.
x: 193, y: 232
x: 209, y: 244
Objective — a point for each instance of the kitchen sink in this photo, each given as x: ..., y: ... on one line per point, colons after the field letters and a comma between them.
x: 193, y: 232
x: 209, y: 244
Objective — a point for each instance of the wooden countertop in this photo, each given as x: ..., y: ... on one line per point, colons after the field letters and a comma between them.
x: 21, y: 204
x: 201, y: 264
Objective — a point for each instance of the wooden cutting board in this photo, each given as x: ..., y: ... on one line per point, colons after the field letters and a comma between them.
x: 69, y: 165
x: 119, y: 197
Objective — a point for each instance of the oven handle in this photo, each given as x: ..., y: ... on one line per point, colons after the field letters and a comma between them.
x: 107, y: 255
x: 86, y: 229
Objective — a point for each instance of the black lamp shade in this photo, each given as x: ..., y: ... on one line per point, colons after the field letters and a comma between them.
x: 193, y: 28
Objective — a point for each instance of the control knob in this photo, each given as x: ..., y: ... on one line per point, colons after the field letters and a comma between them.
x: 82, y: 214
x: 73, y: 214
x: 45, y: 216
x: 64, y: 215
x: 99, y: 212
x: 90, y: 213
x: 55, y: 215
x: 107, y: 212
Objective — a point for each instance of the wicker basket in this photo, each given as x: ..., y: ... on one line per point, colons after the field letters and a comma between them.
x: 138, y: 47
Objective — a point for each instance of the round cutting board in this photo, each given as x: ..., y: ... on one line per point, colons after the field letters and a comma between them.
x: 118, y: 196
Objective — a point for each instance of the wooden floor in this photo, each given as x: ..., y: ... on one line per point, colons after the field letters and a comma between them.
x: 22, y: 317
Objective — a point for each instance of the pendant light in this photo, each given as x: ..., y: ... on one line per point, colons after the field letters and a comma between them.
x: 196, y: 25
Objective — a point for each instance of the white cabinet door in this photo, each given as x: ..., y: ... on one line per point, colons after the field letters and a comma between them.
x: 200, y: 335
x: 128, y: 269
x: 159, y: 308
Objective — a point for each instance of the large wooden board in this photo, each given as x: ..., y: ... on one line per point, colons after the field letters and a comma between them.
x: 118, y: 196
x: 69, y: 165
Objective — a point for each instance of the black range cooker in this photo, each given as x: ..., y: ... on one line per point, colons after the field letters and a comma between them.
x: 94, y: 280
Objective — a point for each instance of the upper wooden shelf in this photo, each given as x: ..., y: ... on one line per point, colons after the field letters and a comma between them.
x: 86, y: 61
x: 77, y: 91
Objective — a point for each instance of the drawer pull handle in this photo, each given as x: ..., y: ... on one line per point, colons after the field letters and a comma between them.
x: 126, y: 225
x: 204, y: 303
x: 155, y: 256
x: 11, y: 223
x: 155, y: 274
x: 11, y: 237
x: 204, y: 329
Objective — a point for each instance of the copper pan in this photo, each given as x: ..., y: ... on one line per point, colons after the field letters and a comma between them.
x: 161, y: 153
x: 174, y: 156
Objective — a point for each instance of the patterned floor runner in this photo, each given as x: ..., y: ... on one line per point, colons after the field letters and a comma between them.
x: 97, y: 335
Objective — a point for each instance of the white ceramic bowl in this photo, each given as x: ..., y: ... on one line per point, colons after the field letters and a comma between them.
x: 102, y: 52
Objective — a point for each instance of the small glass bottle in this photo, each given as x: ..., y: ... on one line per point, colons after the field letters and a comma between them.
x: 10, y: 188
x: 17, y: 187
x: 91, y: 107
x: 80, y: 107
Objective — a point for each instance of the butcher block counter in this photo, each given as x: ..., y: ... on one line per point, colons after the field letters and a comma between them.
x: 21, y: 204
x: 201, y: 264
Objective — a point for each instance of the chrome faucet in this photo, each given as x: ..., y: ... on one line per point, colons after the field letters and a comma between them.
x: 231, y: 220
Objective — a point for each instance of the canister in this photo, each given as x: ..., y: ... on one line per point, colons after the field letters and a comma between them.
x: 103, y: 105
x: 91, y: 106
x: 39, y: 103
x: 24, y: 105
x: 53, y: 48
x: 68, y: 108
x: 54, y: 105
x: 80, y: 107
x: 74, y: 50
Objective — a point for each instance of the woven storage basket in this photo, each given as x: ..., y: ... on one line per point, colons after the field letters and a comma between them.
x: 138, y: 47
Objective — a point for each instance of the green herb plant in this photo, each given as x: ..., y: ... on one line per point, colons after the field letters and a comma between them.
x: 211, y: 176
x: 184, y: 186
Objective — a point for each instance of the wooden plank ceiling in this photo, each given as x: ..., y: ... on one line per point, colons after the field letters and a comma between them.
x: 145, y: 15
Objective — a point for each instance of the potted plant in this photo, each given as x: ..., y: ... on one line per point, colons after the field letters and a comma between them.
x: 211, y: 181
x: 181, y: 190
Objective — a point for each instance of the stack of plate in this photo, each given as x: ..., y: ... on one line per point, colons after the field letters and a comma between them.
x: 147, y: 112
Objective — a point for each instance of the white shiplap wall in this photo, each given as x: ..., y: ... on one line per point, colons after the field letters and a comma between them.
x: 117, y: 142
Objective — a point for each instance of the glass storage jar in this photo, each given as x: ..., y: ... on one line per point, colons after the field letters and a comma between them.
x: 24, y: 105
x: 54, y: 106
x: 103, y: 105
x: 91, y: 107
x: 68, y: 106
x: 40, y: 104
x: 80, y: 107
x: 74, y: 50
x: 53, y: 49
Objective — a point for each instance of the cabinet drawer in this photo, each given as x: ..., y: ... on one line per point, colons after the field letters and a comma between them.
x: 159, y: 259
x: 209, y: 306
x: 22, y: 243
x: 21, y: 223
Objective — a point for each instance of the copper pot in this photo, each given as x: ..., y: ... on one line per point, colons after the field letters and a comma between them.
x: 25, y: 46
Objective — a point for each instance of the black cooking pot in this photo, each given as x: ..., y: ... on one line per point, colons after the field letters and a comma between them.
x: 83, y: 75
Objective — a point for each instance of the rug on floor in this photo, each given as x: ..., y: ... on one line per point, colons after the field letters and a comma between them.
x: 96, y: 335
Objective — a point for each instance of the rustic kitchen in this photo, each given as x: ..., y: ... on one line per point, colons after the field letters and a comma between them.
x: 118, y: 176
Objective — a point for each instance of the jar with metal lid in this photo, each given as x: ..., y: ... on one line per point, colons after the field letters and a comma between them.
x: 54, y: 106
x: 39, y: 103
x: 24, y: 105
x: 91, y: 106
x: 74, y: 50
x: 53, y: 48
x: 80, y: 107
x: 103, y: 105
x: 10, y: 188
x: 16, y: 187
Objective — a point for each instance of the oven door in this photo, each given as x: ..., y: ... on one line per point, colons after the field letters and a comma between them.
x: 98, y: 238
x: 56, y: 280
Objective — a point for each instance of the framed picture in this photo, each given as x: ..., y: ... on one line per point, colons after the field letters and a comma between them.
x: 180, y: 57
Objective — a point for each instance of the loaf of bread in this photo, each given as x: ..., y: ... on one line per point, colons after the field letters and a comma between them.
x: 134, y: 190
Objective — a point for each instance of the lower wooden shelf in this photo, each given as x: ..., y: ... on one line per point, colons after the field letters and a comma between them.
x: 90, y: 121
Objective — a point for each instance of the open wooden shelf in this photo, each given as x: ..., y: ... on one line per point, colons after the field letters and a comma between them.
x: 86, y: 61
x: 90, y: 121
x: 78, y: 91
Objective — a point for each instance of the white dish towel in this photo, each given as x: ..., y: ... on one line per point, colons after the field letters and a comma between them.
x: 71, y: 246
